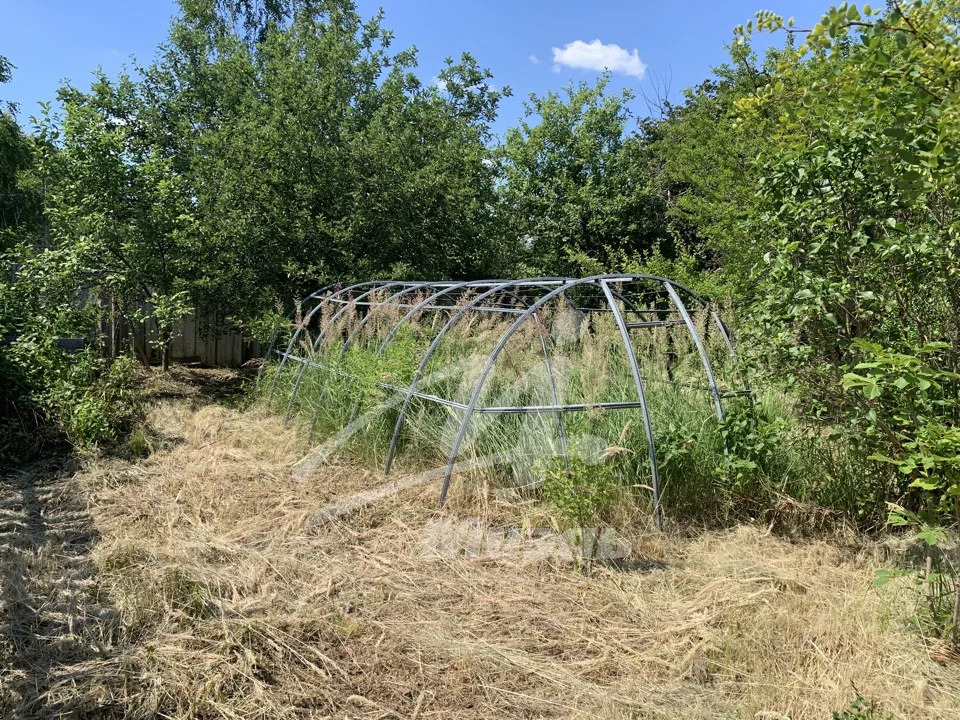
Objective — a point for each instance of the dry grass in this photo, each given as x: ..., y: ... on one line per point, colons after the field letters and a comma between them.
x: 228, y: 602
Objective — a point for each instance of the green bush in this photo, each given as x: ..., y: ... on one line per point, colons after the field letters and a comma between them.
x: 102, y: 411
x: 52, y: 396
x: 82, y: 398
x: 907, y: 406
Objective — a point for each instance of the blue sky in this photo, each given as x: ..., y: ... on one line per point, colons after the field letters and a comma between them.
x: 647, y: 40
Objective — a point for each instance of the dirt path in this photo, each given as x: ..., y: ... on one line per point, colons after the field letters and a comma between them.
x: 51, y: 621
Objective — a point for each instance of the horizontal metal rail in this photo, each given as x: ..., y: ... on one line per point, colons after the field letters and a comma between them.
x: 510, y: 409
x: 724, y: 392
x: 512, y: 310
x: 654, y: 323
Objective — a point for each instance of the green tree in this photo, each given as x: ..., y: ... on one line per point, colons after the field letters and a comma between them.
x: 270, y: 148
x: 858, y: 191
x: 576, y: 185
x: 704, y: 172
x: 118, y: 209
x: 19, y: 204
x: 858, y: 297
x: 313, y: 153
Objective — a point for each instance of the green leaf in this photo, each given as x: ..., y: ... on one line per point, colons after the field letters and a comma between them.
x: 925, y: 484
x: 897, y: 519
x: 883, y: 577
x: 872, y: 391
x: 931, y: 536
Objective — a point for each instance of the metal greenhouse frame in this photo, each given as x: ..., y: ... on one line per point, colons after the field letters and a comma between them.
x: 654, y: 302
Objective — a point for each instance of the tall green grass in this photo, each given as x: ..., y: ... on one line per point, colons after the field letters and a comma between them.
x: 710, y: 471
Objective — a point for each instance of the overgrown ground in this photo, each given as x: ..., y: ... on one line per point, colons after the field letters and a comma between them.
x: 206, y: 581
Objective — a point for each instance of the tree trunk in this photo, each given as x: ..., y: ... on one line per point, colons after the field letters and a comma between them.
x: 167, y: 337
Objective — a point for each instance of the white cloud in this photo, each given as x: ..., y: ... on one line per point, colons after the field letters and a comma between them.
x: 598, y: 56
x: 534, y: 59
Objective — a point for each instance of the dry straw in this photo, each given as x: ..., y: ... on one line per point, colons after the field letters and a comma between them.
x: 226, y: 602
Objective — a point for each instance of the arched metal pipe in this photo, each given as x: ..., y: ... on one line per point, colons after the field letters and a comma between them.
x: 474, y: 283
x: 596, y: 281
x: 428, y: 301
x: 698, y: 342
x: 322, y: 333
x: 349, y: 341
x: 535, y: 282
x: 451, y: 322
x: 615, y: 297
x: 548, y: 363
x: 445, y: 290
x: 392, y: 334
x: 306, y: 321
x: 642, y: 397
x: 276, y: 334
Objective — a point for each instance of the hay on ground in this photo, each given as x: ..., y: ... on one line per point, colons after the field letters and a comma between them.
x: 230, y: 604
